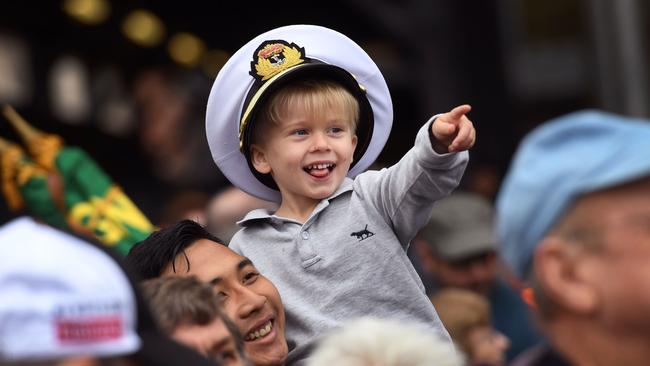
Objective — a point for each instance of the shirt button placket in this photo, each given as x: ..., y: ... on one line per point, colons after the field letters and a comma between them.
x: 307, y: 251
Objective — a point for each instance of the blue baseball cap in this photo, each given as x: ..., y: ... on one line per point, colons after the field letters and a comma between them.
x: 557, y: 163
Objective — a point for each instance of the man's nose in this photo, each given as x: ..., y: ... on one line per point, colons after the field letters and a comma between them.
x: 248, y: 302
x: 481, y: 271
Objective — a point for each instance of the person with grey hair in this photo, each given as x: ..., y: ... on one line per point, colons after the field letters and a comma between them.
x: 574, y: 222
x: 383, y: 342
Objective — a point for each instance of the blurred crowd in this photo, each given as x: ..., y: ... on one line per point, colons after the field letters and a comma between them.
x: 565, y: 286
x: 545, y: 264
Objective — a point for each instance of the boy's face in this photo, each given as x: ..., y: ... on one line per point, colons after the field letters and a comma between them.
x: 308, y: 155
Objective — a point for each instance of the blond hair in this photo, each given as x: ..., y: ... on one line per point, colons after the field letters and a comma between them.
x: 312, y: 95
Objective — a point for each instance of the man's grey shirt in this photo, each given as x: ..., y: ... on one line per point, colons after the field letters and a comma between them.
x: 348, y: 260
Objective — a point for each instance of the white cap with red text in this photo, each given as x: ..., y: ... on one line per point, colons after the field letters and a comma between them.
x: 61, y: 297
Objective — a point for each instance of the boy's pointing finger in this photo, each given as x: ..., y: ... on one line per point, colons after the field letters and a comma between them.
x: 455, y: 115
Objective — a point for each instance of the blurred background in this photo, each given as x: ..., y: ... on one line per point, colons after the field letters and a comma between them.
x: 128, y: 81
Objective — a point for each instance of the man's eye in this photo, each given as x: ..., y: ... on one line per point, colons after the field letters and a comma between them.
x: 250, y: 277
x: 221, y: 295
x: 225, y: 356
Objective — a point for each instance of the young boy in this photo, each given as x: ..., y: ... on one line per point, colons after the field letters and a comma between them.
x: 315, y: 110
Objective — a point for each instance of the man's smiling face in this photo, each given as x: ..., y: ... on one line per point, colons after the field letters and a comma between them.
x: 249, y: 299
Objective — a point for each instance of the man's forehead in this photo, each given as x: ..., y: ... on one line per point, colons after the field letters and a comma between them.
x: 632, y: 197
x: 616, y: 207
x: 206, y: 260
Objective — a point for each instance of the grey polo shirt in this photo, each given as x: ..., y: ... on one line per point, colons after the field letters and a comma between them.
x: 348, y: 260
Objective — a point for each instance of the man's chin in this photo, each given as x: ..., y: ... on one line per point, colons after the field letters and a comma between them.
x: 273, y: 355
x: 268, y: 360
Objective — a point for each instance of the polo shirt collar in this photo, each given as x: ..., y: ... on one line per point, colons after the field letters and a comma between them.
x: 265, y: 214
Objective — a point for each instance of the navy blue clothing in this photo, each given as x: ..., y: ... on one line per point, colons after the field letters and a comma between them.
x: 541, y: 355
x: 510, y: 315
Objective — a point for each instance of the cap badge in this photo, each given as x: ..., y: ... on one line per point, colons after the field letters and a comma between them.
x: 273, y: 57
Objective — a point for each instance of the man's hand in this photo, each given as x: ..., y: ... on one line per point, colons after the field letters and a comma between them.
x: 453, y: 131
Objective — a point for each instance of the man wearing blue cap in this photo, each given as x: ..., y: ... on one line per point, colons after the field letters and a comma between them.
x: 574, y: 221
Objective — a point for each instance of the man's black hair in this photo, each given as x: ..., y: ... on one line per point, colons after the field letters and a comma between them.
x: 148, y: 258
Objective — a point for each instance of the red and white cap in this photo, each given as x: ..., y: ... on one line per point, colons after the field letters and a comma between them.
x: 61, y: 297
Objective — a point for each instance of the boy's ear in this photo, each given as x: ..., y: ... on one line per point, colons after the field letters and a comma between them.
x: 258, y: 158
x: 354, y: 145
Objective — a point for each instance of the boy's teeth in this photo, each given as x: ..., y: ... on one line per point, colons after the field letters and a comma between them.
x: 319, y: 166
x: 260, y: 332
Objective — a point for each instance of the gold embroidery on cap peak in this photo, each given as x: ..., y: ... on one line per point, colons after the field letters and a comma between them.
x: 273, y: 57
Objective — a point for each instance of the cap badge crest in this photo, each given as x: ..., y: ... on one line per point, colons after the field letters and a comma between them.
x: 273, y: 57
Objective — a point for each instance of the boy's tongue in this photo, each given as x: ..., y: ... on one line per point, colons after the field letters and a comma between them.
x: 319, y: 173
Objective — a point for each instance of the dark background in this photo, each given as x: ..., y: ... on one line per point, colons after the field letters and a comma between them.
x: 518, y: 63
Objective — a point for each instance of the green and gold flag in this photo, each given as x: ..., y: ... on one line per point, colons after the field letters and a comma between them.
x: 64, y: 187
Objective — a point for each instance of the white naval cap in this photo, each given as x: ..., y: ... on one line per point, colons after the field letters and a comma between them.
x: 272, y: 59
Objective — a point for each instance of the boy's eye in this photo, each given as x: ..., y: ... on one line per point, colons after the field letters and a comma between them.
x: 300, y: 132
x: 336, y: 130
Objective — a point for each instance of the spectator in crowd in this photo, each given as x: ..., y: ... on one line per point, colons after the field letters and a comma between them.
x: 184, y: 205
x: 229, y: 206
x: 66, y: 301
x: 383, y: 342
x: 249, y: 298
x: 574, y: 222
x: 188, y: 311
x: 169, y: 102
x: 457, y: 249
x: 466, y: 315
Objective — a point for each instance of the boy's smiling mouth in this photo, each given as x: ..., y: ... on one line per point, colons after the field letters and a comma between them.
x: 319, y: 169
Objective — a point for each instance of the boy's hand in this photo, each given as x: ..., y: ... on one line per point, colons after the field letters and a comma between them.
x: 453, y: 131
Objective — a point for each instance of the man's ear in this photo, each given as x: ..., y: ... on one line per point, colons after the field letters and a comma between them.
x: 258, y: 158
x: 557, y: 269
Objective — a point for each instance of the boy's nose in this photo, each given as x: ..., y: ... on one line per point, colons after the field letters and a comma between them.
x: 320, y: 142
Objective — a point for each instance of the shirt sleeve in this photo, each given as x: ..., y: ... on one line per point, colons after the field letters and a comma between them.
x: 404, y: 194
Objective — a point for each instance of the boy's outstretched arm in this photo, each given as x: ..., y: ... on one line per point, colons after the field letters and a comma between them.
x: 453, y: 131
